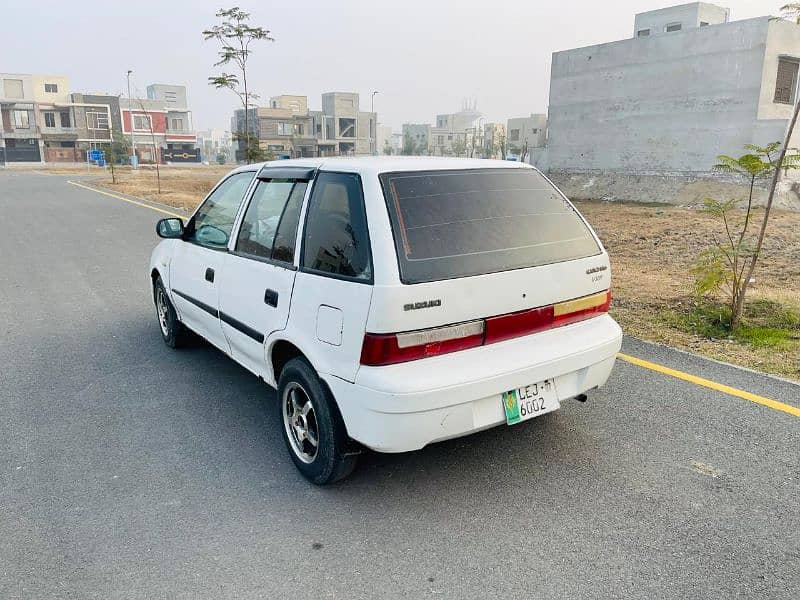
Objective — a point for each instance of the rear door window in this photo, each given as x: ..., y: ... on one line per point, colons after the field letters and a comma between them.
x: 449, y: 224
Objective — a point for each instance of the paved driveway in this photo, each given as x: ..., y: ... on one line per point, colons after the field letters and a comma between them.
x: 128, y: 470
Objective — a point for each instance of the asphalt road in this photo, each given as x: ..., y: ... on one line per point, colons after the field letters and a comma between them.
x: 129, y: 470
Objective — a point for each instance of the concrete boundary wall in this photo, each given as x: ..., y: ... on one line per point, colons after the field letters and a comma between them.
x: 679, y: 188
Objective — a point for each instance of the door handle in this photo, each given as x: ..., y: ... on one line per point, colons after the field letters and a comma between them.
x: 210, y: 275
x: 271, y: 298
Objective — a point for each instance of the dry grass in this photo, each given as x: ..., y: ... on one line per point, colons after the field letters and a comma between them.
x: 182, y: 187
x: 652, y: 249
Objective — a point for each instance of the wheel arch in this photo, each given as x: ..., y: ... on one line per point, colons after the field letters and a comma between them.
x: 154, y: 275
x: 280, y: 352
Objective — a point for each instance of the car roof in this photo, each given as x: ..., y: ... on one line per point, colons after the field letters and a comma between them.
x: 374, y: 165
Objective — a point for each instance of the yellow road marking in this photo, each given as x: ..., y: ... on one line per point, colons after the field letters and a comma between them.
x: 720, y: 387
x: 155, y: 208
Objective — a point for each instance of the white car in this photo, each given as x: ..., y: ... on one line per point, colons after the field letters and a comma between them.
x: 393, y: 302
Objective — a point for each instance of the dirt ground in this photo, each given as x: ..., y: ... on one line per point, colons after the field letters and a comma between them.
x: 652, y: 248
x: 182, y: 187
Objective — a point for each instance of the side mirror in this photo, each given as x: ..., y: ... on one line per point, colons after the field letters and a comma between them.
x: 169, y: 228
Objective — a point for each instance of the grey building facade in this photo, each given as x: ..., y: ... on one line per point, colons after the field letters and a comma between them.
x: 97, y: 118
x: 688, y: 86
x: 20, y: 134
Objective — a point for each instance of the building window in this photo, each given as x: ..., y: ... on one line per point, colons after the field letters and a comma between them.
x: 65, y: 120
x: 96, y: 120
x: 299, y: 129
x: 441, y: 140
x: 513, y: 135
x: 21, y: 119
x: 49, y: 119
x: 177, y: 124
x: 535, y: 131
x: 284, y: 129
x: 141, y: 122
x: 347, y: 128
x: 703, y: 24
x: 786, y: 81
x: 672, y: 27
x: 51, y: 88
x: 643, y: 33
x: 12, y: 88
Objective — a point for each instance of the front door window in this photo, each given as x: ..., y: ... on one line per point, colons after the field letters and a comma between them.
x: 212, y: 224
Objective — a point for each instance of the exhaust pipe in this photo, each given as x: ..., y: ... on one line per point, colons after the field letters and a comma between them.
x: 581, y: 397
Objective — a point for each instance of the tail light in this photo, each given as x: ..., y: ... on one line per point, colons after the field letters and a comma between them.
x: 388, y: 349
x: 381, y: 349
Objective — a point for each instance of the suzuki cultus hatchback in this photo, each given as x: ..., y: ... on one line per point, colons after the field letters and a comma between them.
x: 393, y: 302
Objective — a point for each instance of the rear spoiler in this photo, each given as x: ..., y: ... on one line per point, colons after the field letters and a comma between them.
x: 298, y: 173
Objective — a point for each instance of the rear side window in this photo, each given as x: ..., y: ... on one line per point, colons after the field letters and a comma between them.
x: 336, y: 240
x: 449, y: 224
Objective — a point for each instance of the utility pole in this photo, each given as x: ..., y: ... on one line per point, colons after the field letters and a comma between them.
x: 374, y: 132
x: 134, y: 159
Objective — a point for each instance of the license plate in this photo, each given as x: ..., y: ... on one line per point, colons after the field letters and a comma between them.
x: 530, y: 401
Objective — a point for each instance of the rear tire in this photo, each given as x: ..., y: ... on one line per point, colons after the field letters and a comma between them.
x: 312, y: 427
x: 172, y: 330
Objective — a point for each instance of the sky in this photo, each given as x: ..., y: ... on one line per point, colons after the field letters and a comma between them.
x: 423, y: 56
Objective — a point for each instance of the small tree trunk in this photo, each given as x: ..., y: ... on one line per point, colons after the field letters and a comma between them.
x: 739, y: 307
x: 246, y: 117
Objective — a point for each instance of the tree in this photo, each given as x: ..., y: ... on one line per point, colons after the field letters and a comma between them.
x: 489, y: 147
x: 156, y: 157
x: 791, y: 12
x: 235, y: 34
x: 502, y: 145
x: 409, y: 145
x: 222, y: 157
x: 253, y: 152
x: 473, y: 142
x: 387, y: 148
x: 459, y: 145
x: 728, y: 265
x: 115, y: 150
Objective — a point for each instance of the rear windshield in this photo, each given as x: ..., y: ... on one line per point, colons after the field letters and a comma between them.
x: 450, y: 224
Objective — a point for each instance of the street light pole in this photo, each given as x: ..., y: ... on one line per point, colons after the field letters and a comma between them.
x: 374, y: 133
x: 482, y: 136
x: 130, y: 116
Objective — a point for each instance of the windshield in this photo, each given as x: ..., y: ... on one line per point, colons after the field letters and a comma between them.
x: 449, y: 224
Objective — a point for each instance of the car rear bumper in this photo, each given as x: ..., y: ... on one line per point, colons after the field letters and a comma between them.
x: 404, y: 407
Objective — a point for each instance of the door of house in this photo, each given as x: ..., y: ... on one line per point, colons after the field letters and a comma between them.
x: 22, y: 150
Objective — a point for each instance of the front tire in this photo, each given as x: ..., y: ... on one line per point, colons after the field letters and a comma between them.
x: 172, y: 330
x: 312, y: 428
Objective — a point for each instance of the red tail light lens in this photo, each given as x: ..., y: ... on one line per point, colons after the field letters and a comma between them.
x: 526, y: 322
x: 386, y: 349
